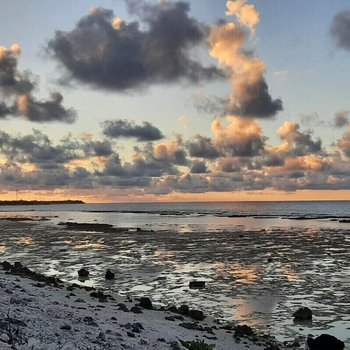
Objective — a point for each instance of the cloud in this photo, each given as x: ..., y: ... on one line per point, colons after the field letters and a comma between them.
x: 250, y: 96
x: 45, y: 111
x: 11, y: 80
x: 18, y: 87
x: 202, y: 147
x: 171, y: 152
x: 105, y: 51
x: 312, y: 120
x: 39, y: 150
x: 344, y: 144
x: 295, y: 142
x: 199, y: 167
x: 209, y: 104
x: 340, y: 29
x: 124, y: 128
x: 341, y: 119
x: 241, y: 137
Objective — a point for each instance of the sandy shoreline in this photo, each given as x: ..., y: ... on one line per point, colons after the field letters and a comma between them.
x: 37, y: 315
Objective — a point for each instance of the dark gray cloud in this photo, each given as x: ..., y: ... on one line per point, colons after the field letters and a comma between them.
x: 340, y: 29
x: 199, y: 167
x: 124, y: 128
x: 98, y: 148
x: 46, y: 110
x: 255, y: 101
x: 123, y: 56
x: 341, y: 119
x: 18, y: 88
x: 12, y: 81
x: 38, y: 149
x: 202, y: 147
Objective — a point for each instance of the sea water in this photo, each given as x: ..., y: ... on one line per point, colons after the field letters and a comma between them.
x: 261, y: 261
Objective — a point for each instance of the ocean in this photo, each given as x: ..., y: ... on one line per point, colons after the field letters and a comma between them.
x: 261, y: 261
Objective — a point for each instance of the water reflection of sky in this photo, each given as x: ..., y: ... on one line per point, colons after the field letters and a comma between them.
x: 254, y: 276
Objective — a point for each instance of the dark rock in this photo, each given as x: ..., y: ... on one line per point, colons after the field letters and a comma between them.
x: 172, y: 309
x: 197, y: 284
x: 146, y: 303
x: 183, y: 310
x: 302, y: 314
x: 325, y: 342
x: 17, y: 265
x: 197, y: 315
x: 136, y: 310
x: 6, y: 265
x: 102, y: 336
x: 87, y: 319
x: 109, y: 275
x: 79, y: 300
x: 130, y: 334
x: 70, y: 288
x: 194, y: 326
x: 101, y: 297
x: 178, y: 317
x: 243, y: 331
x: 123, y: 307
x: 170, y: 318
x: 83, y: 272
x: 272, y: 347
x: 66, y: 327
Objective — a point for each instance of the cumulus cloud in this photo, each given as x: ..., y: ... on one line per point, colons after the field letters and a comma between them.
x: 295, y: 142
x: 240, y: 137
x: 202, y: 147
x: 341, y: 119
x: 46, y: 110
x: 104, y: 50
x: 340, y: 29
x: 171, y: 152
x: 18, y: 87
x: 124, y: 128
x: 250, y: 96
x: 245, y: 13
x: 199, y: 167
x: 39, y: 150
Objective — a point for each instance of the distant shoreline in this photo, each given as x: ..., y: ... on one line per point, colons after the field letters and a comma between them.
x: 24, y: 202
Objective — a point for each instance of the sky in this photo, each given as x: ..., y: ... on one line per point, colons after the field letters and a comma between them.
x: 199, y: 100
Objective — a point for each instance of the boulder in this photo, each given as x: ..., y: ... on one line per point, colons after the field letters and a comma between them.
x: 303, y: 314
x: 183, y: 310
x: 243, y: 331
x: 109, y: 275
x: 146, y: 303
x: 6, y: 265
x: 325, y: 342
x: 83, y: 272
x: 197, y: 315
x: 196, y: 284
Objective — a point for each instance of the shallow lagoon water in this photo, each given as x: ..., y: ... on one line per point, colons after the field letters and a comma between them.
x: 258, y: 271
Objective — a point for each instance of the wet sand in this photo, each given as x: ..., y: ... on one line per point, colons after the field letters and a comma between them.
x: 256, y: 277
